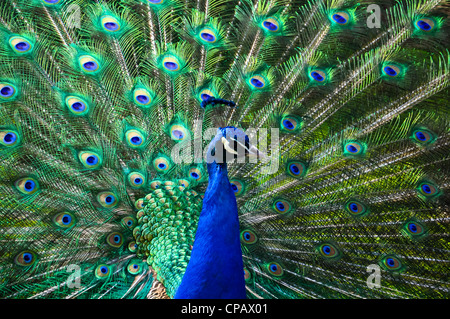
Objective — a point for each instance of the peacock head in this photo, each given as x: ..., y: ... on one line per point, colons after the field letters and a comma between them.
x: 228, y: 144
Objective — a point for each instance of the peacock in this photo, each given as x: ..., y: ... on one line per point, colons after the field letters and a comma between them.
x: 260, y: 149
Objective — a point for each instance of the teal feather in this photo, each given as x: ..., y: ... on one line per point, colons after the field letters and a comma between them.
x: 109, y: 115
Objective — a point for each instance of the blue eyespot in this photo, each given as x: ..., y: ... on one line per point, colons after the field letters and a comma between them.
x: 271, y: 26
x: 352, y: 148
x: 178, y: 134
x: 136, y: 140
x: 7, y: 91
x: 317, y: 76
x: 27, y: 258
x: 280, y: 206
x: 412, y: 227
x: 339, y: 19
x: 424, y: 25
x: 294, y: 169
x: 29, y: 185
x: 421, y: 136
x: 91, y: 65
x: 390, y: 262
x: 162, y: 165
x: 117, y: 239
x: 257, y: 83
x: 234, y: 188
x: 138, y: 181
x: 207, y: 37
x: 109, y: 199
x: 426, y: 188
x: 104, y: 270
x: 326, y: 249
x: 194, y: 175
x: 273, y: 267
x: 288, y: 124
x: 171, y: 65
x: 390, y: 71
x: 22, y: 46
x: 111, y: 26
x: 66, y: 219
x: 92, y: 160
x: 143, y: 99
x: 9, y: 138
x: 354, y: 207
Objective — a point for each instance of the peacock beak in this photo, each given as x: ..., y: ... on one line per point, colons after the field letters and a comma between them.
x: 249, y: 150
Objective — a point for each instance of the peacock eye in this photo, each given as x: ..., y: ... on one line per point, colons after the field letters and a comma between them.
x: 425, y: 24
x: 64, y: 220
x: 195, y: 173
x: 27, y: 185
x: 356, y: 208
x: 328, y: 250
x: 171, y: 64
x: 114, y: 239
x: 110, y: 24
x: 237, y: 186
x: 248, y: 237
x: 161, y: 164
x: 76, y: 105
x: 88, y: 64
x: 129, y: 222
x: 392, y: 263
x: 354, y: 148
x: 282, y: 206
x: 428, y: 190
x: 414, y: 229
x: 178, y: 132
x: 25, y: 258
x: 142, y: 97
x: 318, y: 75
x: 341, y: 17
x: 136, y: 179
x: 134, y: 268
x: 247, y: 275
x: 290, y: 123
x: 391, y: 70
x: 9, y: 138
x: 275, y: 269
x: 90, y: 160
x: 156, y: 1
x: 183, y: 182
x: 107, y: 199
x: 208, y: 35
x: 132, y: 246
x: 423, y: 136
x: 7, y: 91
x: 134, y: 139
x: 271, y: 24
x: 20, y: 45
x: 155, y: 184
x: 296, y: 169
x: 102, y: 271
x: 257, y: 81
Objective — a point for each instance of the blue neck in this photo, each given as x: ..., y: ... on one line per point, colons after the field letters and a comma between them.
x: 215, y: 269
